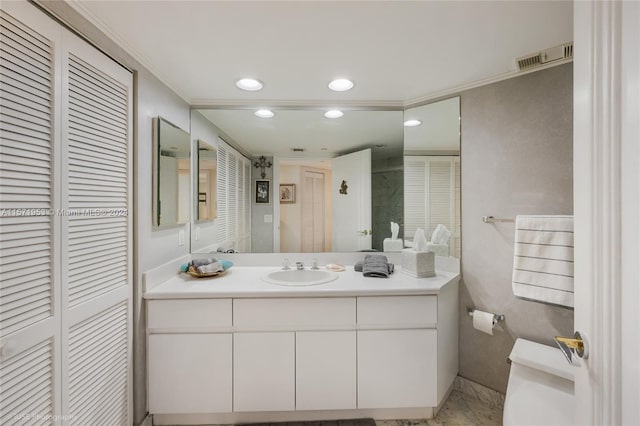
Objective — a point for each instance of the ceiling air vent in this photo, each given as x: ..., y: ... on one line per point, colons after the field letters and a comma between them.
x: 564, y: 51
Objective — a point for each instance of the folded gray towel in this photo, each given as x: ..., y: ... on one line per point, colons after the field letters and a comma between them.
x: 201, y: 262
x: 210, y: 268
x: 358, y: 267
x: 376, y: 265
x: 207, y: 266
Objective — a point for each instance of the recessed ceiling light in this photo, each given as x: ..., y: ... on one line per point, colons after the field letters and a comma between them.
x: 412, y: 123
x: 264, y: 113
x: 340, y: 85
x: 334, y: 113
x: 250, y: 84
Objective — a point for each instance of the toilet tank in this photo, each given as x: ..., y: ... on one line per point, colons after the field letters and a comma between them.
x: 541, y: 387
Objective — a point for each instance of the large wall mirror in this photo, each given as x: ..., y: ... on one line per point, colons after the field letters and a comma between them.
x: 171, y: 174
x: 337, y: 184
x: 432, y: 174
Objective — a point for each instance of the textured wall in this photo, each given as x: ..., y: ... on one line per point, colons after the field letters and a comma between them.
x: 261, y: 232
x: 517, y: 158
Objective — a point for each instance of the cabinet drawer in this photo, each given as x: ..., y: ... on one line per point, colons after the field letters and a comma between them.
x: 294, y: 313
x: 189, y: 313
x: 398, y: 311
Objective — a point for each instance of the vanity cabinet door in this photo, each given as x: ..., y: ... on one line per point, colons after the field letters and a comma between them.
x: 190, y: 373
x: 264, y: 371
x: 397, y: 368
x: 325, y: 370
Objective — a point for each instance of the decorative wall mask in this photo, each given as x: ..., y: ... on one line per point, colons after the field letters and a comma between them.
x: 343, y: 187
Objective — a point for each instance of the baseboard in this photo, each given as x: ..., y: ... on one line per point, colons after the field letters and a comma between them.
x: 147, y: 421
x: 292, y: 416
x: 475, y: 390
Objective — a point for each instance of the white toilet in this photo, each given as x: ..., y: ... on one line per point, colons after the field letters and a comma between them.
x: 540, y: 389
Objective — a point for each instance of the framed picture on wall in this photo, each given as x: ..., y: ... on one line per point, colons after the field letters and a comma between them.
x: 287, y: 193
x: 263, y: 192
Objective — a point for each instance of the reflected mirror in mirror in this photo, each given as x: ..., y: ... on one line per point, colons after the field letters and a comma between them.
x: 205, y: 195
x: 432, y: 175
x: 171, y: 174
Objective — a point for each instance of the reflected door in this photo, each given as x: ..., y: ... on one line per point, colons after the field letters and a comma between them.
x: 351, y: 201
x: 313, y: 208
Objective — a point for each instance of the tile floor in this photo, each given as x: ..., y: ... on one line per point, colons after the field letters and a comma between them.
x: 460, y: 409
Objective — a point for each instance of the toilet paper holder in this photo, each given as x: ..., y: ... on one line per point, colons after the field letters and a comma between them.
x: 496, y: 317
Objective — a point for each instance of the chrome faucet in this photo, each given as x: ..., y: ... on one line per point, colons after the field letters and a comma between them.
x: 299, y: 266
x: 314, y: 264
x: 285, y: 264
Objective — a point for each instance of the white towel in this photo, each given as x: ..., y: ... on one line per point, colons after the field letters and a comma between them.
x: 440, y: 235
x: 543, y: 259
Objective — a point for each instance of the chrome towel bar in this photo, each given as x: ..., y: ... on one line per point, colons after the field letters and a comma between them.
x: 491, y: 219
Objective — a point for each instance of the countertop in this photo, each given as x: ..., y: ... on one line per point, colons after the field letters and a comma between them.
x: 245, y: 281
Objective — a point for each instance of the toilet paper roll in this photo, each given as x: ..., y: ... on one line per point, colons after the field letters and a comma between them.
x: 483, y: 321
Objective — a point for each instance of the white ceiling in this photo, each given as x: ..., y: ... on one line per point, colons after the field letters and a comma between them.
x: 396, y: 52
x: 321, y: 137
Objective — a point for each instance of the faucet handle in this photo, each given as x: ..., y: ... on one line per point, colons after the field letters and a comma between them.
x: 299, y: 266
x: 285, y: 264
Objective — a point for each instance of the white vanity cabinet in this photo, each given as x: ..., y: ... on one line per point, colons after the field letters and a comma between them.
x: 325, y: 370
x: 190, y: 373
x: 397, y: 351
x: 250, y: 358
x: 306, y: 367
x: 264, y: 371
x: 190, y: 355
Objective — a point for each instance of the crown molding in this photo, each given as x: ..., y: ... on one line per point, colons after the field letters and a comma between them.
x: 87, y: 14
x: 426, y: 99
x: 372, y: 105
x: 297, y: 104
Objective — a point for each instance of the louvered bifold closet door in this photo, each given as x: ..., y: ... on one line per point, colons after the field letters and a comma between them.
x: 440, y: 193
x: 247, y: 202
x: 221, y: 193
x: 96, y: 236
x: 232, y: 196
x: 241, y: 199
x: 432, y: 196
x: 456, y: 240
x: 415, y: 209
x: 29, y: 278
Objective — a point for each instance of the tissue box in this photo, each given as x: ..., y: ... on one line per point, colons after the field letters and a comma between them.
x: 419, y: 264
x: 390, y: 245
x: 439, y: 249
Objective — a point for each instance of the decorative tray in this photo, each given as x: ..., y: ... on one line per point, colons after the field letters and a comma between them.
x: 195, y: 274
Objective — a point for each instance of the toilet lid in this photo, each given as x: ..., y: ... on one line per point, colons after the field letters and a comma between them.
x: 539, y: 407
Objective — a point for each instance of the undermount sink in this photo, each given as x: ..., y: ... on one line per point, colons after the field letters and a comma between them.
x: 295, y: 277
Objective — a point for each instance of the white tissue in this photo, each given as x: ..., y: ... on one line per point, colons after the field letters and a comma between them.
x: 440, y: 235
x: 483, y: 321
x: 419, y: 240
x: 395, y: 228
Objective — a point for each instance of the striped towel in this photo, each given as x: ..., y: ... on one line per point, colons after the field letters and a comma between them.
x: 543, y: 259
